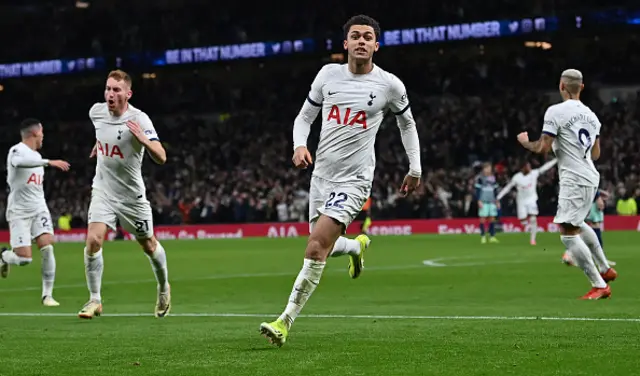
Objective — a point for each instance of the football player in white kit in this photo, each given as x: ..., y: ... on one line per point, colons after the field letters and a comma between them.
x: 123, y: 133
x: 353, y: 98
x: 27, y: 212
x: 526, y: 183
x: 573, y: 131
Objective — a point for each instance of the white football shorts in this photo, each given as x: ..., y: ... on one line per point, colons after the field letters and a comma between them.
x: 340, y: 201
x: 527, y: 209
x: 574, y: 204
x: 22, y: 231
x: 135, y: 217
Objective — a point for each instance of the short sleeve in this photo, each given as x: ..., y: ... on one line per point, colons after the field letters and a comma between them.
x: 13, y: 153
x: 316, y: 97
x: 147, y: 127
x: 94, y: 110
x: 398, y: 100
x: 598, y: 125
x: 550, y: 126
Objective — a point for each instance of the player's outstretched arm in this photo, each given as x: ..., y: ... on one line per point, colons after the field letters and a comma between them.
x: 547, y: 166
x: 20, y: 161
x: 506, y: 189
x: 153, y: 145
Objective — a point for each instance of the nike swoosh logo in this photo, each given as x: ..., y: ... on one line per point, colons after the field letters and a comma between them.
x: 330, y: 93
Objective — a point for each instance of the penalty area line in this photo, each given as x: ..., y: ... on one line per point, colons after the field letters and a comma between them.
x: 327, y: 316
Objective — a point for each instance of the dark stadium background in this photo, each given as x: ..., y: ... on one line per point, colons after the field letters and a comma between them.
x: 227, y: 124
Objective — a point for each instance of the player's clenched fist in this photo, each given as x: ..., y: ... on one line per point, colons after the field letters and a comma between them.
x: 302, y: 157
x: 409, y: 184
x: 523, y: 137
x: 60, y: 165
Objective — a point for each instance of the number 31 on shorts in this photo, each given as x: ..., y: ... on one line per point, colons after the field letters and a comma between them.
x: 335, y: 200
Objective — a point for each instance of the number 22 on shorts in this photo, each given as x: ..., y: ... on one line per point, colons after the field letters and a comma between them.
x: 335, y: 200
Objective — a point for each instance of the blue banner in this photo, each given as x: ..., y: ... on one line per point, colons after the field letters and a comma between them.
x: 51, y: 67
x: 399, y: 37
x: 234, y: 52
x: 465, y: 31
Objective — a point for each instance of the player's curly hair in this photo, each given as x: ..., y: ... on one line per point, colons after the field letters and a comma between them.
x: 362, y: 19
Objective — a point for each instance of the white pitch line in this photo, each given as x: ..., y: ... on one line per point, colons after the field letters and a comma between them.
x: 326, y: 316
x: 212, y: 277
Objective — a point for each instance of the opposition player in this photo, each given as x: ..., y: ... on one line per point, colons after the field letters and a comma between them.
x: 353, y: 98
x: 526, y: 183
x: 123, y: 133
x: 27, y: 212
x: 488, y: 205
x: 572, y: 130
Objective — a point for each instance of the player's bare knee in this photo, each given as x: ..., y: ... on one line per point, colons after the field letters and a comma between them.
x: 23, y: 252
x: 148, y: 245
x: 45, y: 240
x: 318, y: 249
x: 94, y: 242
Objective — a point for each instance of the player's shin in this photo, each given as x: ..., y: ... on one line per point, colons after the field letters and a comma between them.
x: 591, y: 240
x: 48, y: 270
x: 582, y: 257
x: 303, y: 287
x: 94, y: 266
x: 345, y: 246
x: 158, y: 259
x: 533, y: 228
x: 492, y: 228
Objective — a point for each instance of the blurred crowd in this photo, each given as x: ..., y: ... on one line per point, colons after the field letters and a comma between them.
x: 227, y: 129
x: 109, y: 28
x: 235, y: 166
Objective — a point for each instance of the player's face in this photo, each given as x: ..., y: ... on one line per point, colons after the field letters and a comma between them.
x: 526, y: 168
x: 116, y: 93
x: 38, y: 134
x: 361, y: 43
x: 486, y: 170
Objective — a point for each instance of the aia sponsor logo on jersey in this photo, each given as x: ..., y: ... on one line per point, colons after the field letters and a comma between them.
x: 347, y: 117
x: 111, y: 151
x: 36, y: 179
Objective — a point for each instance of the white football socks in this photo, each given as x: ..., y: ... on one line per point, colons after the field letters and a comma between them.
x: 345, y: 246
x: 533, y: 228
x: 9, y: 257
x: 582, y: 257
x: 591, y: 240
x: 48, y: 270
x: 94, y: 266
x: 158, y: 261
x: 303, y: 287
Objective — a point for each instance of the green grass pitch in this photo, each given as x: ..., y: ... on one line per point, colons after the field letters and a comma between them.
x: 503, y: 309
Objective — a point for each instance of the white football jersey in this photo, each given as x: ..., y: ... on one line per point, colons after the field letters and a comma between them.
x: 526, y: 185
x: 353, y: 107
x: 119, y: 167
x: 26, y: 196
x: 575, y: 128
